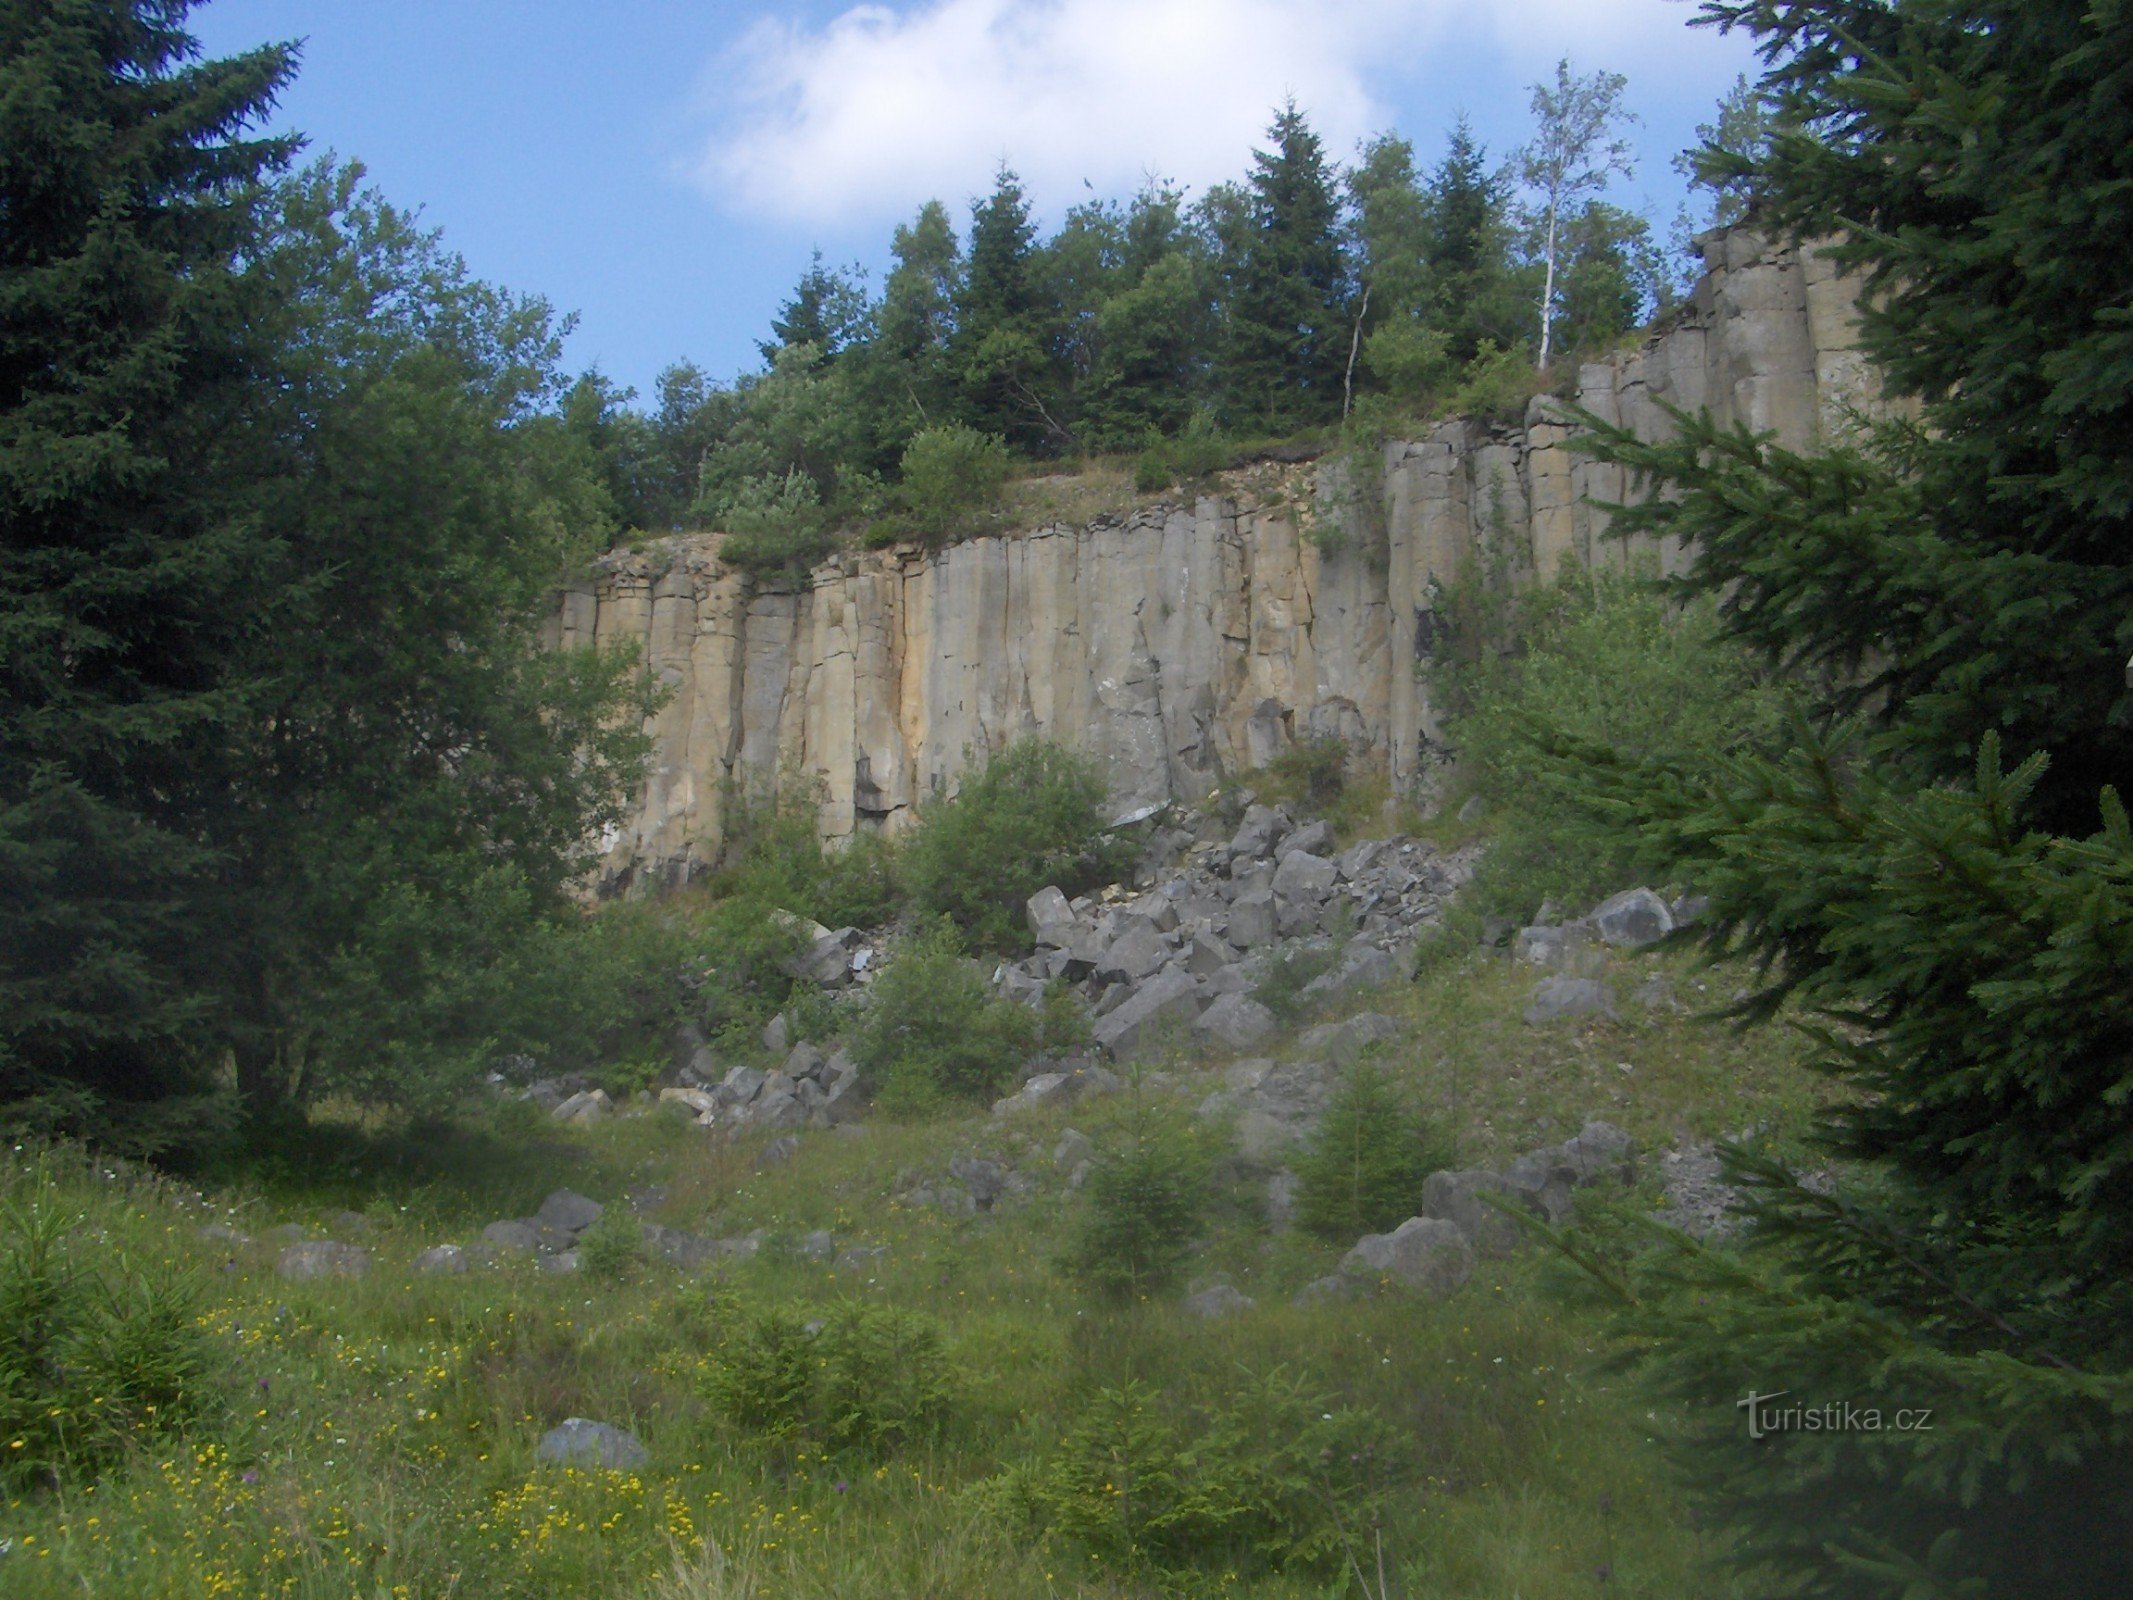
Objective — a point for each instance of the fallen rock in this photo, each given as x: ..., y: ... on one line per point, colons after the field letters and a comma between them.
x: 587, y: 1106
x: 1051, y: 918
x: 513, y: 1235
x: 1632, y: 919
x: 1045, y: 1089
x: 1221, y: 1300
x: 697, y: 1102
x: 819, y: 1245
x: 580, y: 1442
x: 1313, y: 838
x: 1073, y: 1148
x: 1560, y: 997
x: 441, y: 1259
x: 1236, y: 1021
x: 566, y: 1211
x: 1319, y: 1291
x: 1344, y: 1042
x: 1170, y: 997
x: 1426, y: 1254
x: 322, y: 1258
x: 1253, y: 920
x: 1456, y: 1197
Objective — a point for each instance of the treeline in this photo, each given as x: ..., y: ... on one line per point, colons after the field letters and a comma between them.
x: 1280, y: 303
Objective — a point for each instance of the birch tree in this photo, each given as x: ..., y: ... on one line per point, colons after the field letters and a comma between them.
x: 1578, y: 144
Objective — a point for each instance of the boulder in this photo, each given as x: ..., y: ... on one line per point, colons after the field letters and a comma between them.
x: 566, y: 1211
x: 1313, y: 838
x: 1303, y: 876
x: 1072, y: 1150
x: 1221, y: 1300
x: 1555, y: 949
x: 779, y: 1151
x: 1455, y: 1197
x: 697, y: 1102
x: 1138, y: 952
x: 826, y: 962
x: 985, y: 1180
x: 322, y: 1258
x: 1253, y: 920
x: 1235, y: 1021
x: 1365, y: 968
x: 1690, y: 909
x: 741, y: 1085
x: 1169, y: 998
x: 1319, y: 1291
x: 1343, y: 1043
x: 777, y: 1035
x: 1262, y: 828
x: 441, y: 1259
x: 1557, y: 998
x: 1045, y: 1089
x: 1426, y: 1254
x: 585, y: 1107
x: 804, y: 1061
x: 513, y: 1235
x: 1206, y: 955
x: 580, y: 1442
x: 559, y: 1261
x: 1598, y: 1152
x: 1632, y: 919
x: 819, y: 1245
x: 1050, y: 918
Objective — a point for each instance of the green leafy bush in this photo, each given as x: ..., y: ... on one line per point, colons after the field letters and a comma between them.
x: 1258, y: 1481
x: 1198, y: 451
x: 857, y: 1377
x: 1602, y: 660
x: 1281, y: 989
x: 740, y: 977
x: 1363, y: 1168
x: 779, y: 858
x: 936, y: 1034
x: 1496, y: 383
x: 1312, y: 772
x: 90, y: 1361
x: 1143, y: 1203
x: 612, y: 1249
x: 1030, y: 816
x: 950, y: 474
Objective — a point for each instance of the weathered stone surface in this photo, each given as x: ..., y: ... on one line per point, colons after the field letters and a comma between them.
x: 1252, y: 920
x: 1632, y: 919
x: 1303, y: 876
x: 1455, y: 1197
x: 1050, y: 918
x: 1313, y: 838
x: 440, y: 1260
x: 1169, y: 999
x: 741, y: 1085
x: 514, y: 1235
x: 1217, y: 1301
x: 588, y: 1106
x: 1183, y: 640
x: 1045, y: 1089
x: 1137, y: 953
x: 1426, y: 1254
x: 1555, y: 999
x: 779, y: 1151
x: 827, y: 961
x: 580, y: 1442
x: 697, y: 1102
x: 1235, y: 1021
x: 322, y: 1258
x: 1554, y: 949
x: 1343, y: 1043
x: 566, y: 1211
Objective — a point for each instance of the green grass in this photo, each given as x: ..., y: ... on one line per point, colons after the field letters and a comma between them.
x: 375, y: 1437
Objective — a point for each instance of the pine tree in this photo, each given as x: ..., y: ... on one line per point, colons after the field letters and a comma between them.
x: 128, y: 581
x: 827, y: 311
x: 1285, y: 310
x: 1940, y: 870
x: 1002, y: 350
x: 1466, y: 246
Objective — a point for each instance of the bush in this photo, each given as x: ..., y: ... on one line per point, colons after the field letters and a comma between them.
x: 90, y: 1362
x: 1258, y: 1481
x: 1595, y: 659
x: 1281, y: 989
x: 1142, y: 1205
x: 1199, y: 451
x: 1030, y: 816
x: 1312, y: 772
x: 1363, y: 1168
x: 741, y: 978
x: 775, y: 526
x: 1497, y: 383
x: 612, y: 1249
x: 949, y: 475
x: 779, y: 858
x: 857, y: 1377
x: 936, y: 1034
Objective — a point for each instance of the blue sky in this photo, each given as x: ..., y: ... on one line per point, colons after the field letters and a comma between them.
x: 663, y: 168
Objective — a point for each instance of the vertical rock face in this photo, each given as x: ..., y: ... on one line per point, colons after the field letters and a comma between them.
x: 1187, y: 640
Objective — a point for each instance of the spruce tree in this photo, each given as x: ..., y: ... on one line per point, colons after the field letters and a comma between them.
x: 1002, y: 351
x: 129, y: 192
x: 1939, y: 874
x: 1286, y: 303
x: 1466, y: 247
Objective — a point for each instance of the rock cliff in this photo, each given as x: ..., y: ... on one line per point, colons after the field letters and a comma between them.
x: 1186, y: 640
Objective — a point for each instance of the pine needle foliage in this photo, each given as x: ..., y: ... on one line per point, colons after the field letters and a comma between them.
x: 1937, y: 871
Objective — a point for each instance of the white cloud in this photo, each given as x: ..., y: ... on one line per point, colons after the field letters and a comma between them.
x: 863, y: 117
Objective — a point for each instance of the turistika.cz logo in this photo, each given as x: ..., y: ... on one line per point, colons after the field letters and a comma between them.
x: 1766, y: 1416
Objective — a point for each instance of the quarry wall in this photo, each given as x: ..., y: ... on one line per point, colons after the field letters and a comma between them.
x: 1187, y: 640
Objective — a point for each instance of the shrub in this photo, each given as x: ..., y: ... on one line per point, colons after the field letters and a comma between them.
x: 740, y: 978
x: 1198, y: 451
x: 775, y: 526
x: 936, y: 1033
x: 779, y: 858
x: 950, y: 474
x: 1496, y: 383
x: 1363, y: 1168
x: 1260, y: 1480
x: 1312, y: 772
x: 857, y: 1377
x: 89, y: 1361
x: 1030, y: 816
x: 1142, y: 1204
x: 1281, y: 989
x: 612, y: 1249
x: 1594, y: 659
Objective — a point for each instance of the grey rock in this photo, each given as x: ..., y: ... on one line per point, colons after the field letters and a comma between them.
x: 779, y: 1106
x: 1369, y: 968
x: 1313, y: 838
x: 862, y: 1257
x: 1262, y: 828
x: 514, y: 1235
x: 1138, y: 952
x: 1206, y: 955
x: 559, y: 1261
x: 779, y: 1151
x: 1495, y: 930
x: 1221, y: 1300
x: 1303, y: 876
x: 441, y: 1259
x: 1358, y: 859
x: 1558, y: 998
x: 1600, y: 1151
x: 1690, y: 909
x: 819, y: 1245
x: 1264, y: 1138
x: 1253, y: 920
x: 696, y: 1102
x: 741, y: 1085
x: 1655, y: 992
x: 985, y: 1180
x: 1321, y: 1291
x: 1050, y: 918
x: 1455, y: 1197
x: 1045, y: 1089
x: 1073, y: 1148
x: 1169, y: 999
x: 587, y: 1106
x: 1281, y: 1201
x: 1555, y: 949
x: 1426, y: 1254
x: 568, y: 1212
x: 322, y: 1258
x: 580, y: 1442
x: 777, y: 1035
x: 1235, y: 1021
x: 1632, y: 919
x: 804, y: 1061
x: 1474, y: 809
x: 1343, y: 1043
x: 827, y: 962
